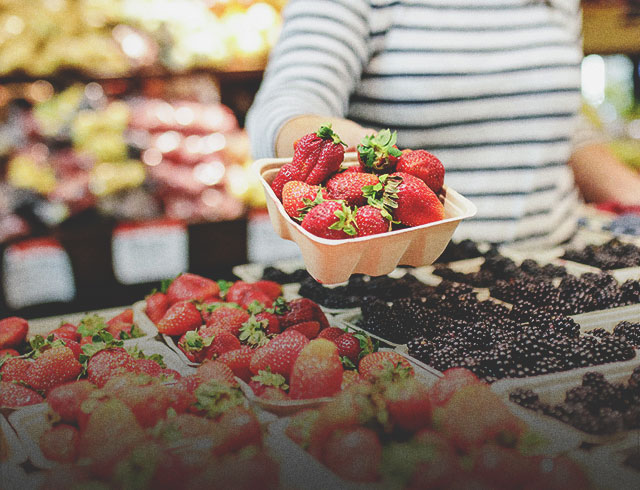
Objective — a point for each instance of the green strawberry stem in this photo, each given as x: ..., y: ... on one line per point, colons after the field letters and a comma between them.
x: 325, y: 132
x: 309, y: 204
x: 384, y: 195
x: 346, y: 220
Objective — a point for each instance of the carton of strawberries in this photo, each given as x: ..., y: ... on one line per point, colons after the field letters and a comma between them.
x: 343, y: 210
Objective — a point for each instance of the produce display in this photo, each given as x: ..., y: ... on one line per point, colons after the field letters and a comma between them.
x: 390, y: 189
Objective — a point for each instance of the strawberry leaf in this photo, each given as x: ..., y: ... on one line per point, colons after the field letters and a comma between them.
x: 135, y: 333
x: 210, y: 308
x: 91, y: 325
x: 255, y: 307
x: 253, y: 332
x: 267, y: 378
x: 216, y: 398
x: 325, y: 132
x: 194, y: 342
x: 136, y: 353
x: 346, y: 362
x: 224, y: 287
x: 309, y: 205
x: 164, y: 285
x: 280, y: 306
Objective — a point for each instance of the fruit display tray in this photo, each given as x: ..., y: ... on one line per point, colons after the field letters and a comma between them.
x: 552, y: 388
x: 333, y: 261
x: 42, y: 326
x: 16, y: 452
x: 607, y: 319
x: 30, y: 423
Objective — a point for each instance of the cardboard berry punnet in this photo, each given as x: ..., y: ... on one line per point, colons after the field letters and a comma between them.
x: 334, y: 261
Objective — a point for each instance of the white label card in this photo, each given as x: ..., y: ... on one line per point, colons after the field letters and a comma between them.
x: 35, y: 272
x: 149, y: 252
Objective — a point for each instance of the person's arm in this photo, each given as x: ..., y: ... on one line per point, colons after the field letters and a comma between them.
x: 312, y: 71
x: 601, y: 176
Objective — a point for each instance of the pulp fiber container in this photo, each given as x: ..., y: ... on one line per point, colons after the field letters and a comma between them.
x: 333, y: 261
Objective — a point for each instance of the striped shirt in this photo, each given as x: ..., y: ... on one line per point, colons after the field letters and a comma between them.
x: 491, y: 87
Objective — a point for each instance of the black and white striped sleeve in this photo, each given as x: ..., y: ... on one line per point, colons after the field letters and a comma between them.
x: 313, y: 69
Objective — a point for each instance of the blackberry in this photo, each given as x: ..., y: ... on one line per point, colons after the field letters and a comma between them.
x: 599, y: 279
x: 599, y: 332
x: 610, y: 421
x: 490, y: 310
x: 585, y: 421
x: 522, y: 311
x: 445, y: 358
x: 551, y: 271
x: 612, y: 349
x: 547, y: 365
x: 634, y: 380
x: 528, y: 348
x: 631, y: 418
x: 594, y: 379
x: 525, y: 398
x: 630, y: 292
x: 477, y: 335
x: 628, y: 331
x: 421, y: 348
x: 566, y: 326
x: 452, y: 290
x: 502, y: 267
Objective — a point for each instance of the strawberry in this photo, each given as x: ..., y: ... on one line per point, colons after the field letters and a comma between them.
x: 349, y: 377
x: 8, y: 353
x: 270, y: 288
x: 383, y: 364
x: 330, y: 333
x: 148, y: 367
x: 303, y: 310
x: 353, y: 346
x: 237, y: 290
x: 66, y: 331
x: 53, y: 367
x: 194, y: 344
x: 423, y: 165
x: 254, y: 332
x: 237, y: 428
x: 108, y: 363
x: 417, y: 204
x: 287, y: 173
x: 255, y: 296
x: 60, y: 443
x: 378, y: 152
x: 308, y: 329
x: 330, y: 219
x: 13, y: 395
x: 453, y: 379
x: 66, y: 399
x: 191, y: 287
x: 318, y: 155
x: 157, y: 305
x: 298, y: 197
x: 147, y: 399
x: 75, y: 347
x: 408, y: 404
x: 125, y: 317
x: 354, y: 454
x: 273, y: 322
x: 317, y: 371
x: 238, y: 360
x: 121, y: 326
x: 279, y: 353
x: 440, y: 468
x: 504, y: 467
x: 347, y: 186
x: 215, y: 371
x: 266, y: 384
x: 223, y: 341
x: 13, y: 332
x: 228, y: 318
x: 15, y: 369
x: 371, y: 221
x: 180, y: 318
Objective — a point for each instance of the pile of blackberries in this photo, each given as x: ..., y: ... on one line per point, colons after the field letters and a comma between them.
x: 464, y: 249
x: 613, y: 254
x: 271, y: 273
x: 359, y: 287
x: 597, y: 406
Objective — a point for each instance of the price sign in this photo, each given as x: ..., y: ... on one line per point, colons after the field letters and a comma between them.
x: 37, y: 271
x: 151, y: 251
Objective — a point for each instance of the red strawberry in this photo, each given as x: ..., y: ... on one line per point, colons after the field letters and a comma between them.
x: 425, y: 166
x: 353, y: 346
x: 13, y: 332
x: 237, y: 290
x: 408, y: 404
x: 66, y: 399
x: 354, y: 454
x: 279, y: 354
x: 318, y: 155
x: 273, y: 322
x: 156, y: 306
x: 298, y: 195
x: 330, y: 333
x: 453, y: 380
x: 270, y: 288
x: 382, y: 363
x: 378, y: 153
x: 8, y: 353
x: 66, y: 331
x: 191, y: 287
x: 255, y: 295
x: 350, y: 377
x: 303, y: 310
x: 122, y: 323
x: 308, y: 329
x: 229, y: 319
x: 347, y: 186
x: 216, y: 371
x: 180, y: 318
x: 317, y: 371
x: 148, y: 367
x: 266, y: 384
x: 15, y: 369
x: 287, y: 173
x: 370, y: 221
x: 148, y: 400
x: 60, y: 443
x: 417, y: 203
x: 109, y: 363
x: 238, y: 360
x: 330, y: 219
x: 74, y: 346
x: 223, y: 341
x: 13, y: 395
x: 55, y: 366
x: 125, y: 317
x: 237, y: 428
